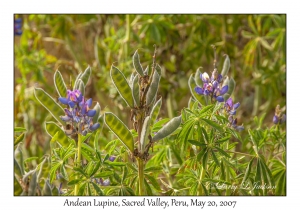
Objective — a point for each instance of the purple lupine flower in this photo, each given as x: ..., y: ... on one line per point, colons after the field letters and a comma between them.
x: 230, y: 107
x: 18, y: 27
x: 279, y: 118
x: 212, y: 86
x: 78, y: 115
x: 233, y: 123
x: 102, y: 182
x: 112, y: 158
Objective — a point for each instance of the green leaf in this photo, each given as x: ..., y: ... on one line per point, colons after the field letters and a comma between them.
x: 59, y: 84
x: 19, y: 129
x: 158, y: 69
x: 47, y: 189
x: 81, y: 87
x: 146, y: 72
x: 120, y: 130
x: 103, y: 174
x: 192, y: 85
x: 79, y: 170
x: 53, y: 170
x: 155, y: 111
x: 30, y: 159
x: 137, y: 65
x: 17, y: 187
x: 32, y: 184
x: 222, y: 152
x: 205, y: 158
x: 64, y: 173
x: 136, y: 90
x: 19, y: 139
x: 206, y: 109
x: 198, y: 80
x: 17, y: 168
x: 81, y: 189
x: 153, y: 181
x: 97, y: 189
x: 76, y: 81
x: 49, y: 103
x: 213, y: 124
x: 248, y: 171
x: 52, y: 128
x: 153, y: 89
x: 74, y: 181
x: 97, y: 107
x: 86, y: 75
x: 122, y: 85
x: 197, y: 143
x: 145, y: 133
x: 226, y: 66
x: 223, y: 139
x: 231, y: 86
x: 168, y: 128
x: 215, y: 158
x: 148, y: 188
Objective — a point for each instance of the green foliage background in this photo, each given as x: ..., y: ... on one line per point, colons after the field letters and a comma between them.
x: 256, y: 45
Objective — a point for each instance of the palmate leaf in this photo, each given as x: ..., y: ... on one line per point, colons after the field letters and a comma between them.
x: 168, y: 128
x: 59, y: 84
x: 49, y: 103
x: 213, y: 124
x: 122, y: 85
x: 120, y: 130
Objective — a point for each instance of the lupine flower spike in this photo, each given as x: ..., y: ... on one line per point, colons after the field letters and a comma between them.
x: 279, y: 118
x: 79, y: 115
x: 212, y: 86
x: 231, y: 108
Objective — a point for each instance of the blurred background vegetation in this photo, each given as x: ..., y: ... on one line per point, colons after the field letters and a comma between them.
x: 256, y: 45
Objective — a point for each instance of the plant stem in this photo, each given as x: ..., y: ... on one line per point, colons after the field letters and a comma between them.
x: 202, y: 175
x: 78, y: 161
x: 240, y: 153
x: 141, y: 176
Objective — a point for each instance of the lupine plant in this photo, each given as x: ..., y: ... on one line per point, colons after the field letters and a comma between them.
x: 140, y: 94
x: 200, y: 152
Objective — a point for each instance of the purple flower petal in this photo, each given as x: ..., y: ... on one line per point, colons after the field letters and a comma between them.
x: 275, y: 119
x: 239, y: 128
x: 77, y: 119
x: 63, y: 100
x: 220, y: 78
x: 71, y: 104
x: 229, y: 102
x: 220, y: 98
x: 237, y: 105
x: 95, y: 126
x: 199, y: 90
x: 65, y: 118
x: 68, y: 112
x: 91, y: 113
x: 106, y: 182
x: 89, y: 102
x: 224, y: 90
x: 233, y: 112
x: 112, y: 158
x: 84, y: 132
x: 215, y: 84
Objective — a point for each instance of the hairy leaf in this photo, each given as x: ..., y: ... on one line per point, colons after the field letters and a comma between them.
x: 120, y: 130
x: 167, y: 129
x: 122, y: 85
x: 59, y: 84
x: 137, y: 64
x: 49, y: 103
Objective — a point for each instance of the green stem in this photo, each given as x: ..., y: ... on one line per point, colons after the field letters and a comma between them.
x: 78, y: 161
x: 202, y: 175
x: 141, y: 176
